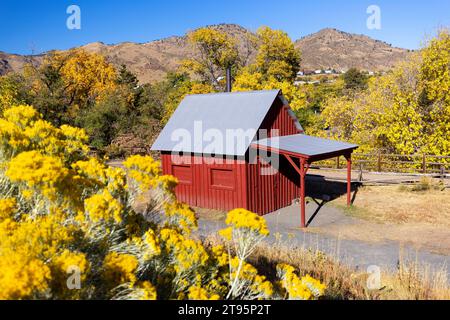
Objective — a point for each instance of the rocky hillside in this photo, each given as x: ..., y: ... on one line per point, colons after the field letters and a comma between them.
x: 327, y: 48
x: 331, y: 48
x: 152, y: 60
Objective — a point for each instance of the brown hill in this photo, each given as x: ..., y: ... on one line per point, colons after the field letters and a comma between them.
x: 334, y: 49
x: 151, y: 61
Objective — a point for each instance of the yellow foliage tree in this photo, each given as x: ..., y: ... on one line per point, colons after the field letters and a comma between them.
x: 70, y: 81
x: 406, y: 111
x: 277, y: 56
x: 215, y: 51
x: 8, y: 93
x: 276, y: 66
x: 435, y: 78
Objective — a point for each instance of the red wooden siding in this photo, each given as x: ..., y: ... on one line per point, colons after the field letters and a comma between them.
x: 268, y: 193
x: 279, y: 119
x: 213, y: 186
x: 238, y: 184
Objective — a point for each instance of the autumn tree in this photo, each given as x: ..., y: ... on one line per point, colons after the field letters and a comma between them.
x: 11, y: 91
x: 215, y: 51
x: 277, y: 57
x: 354, y: 79
x: 435, y: 97
x: 406, y: 111
x: 68, y: 82
x: 277, y: 63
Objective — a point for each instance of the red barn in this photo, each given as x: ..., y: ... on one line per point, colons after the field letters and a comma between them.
x: 241, y: 150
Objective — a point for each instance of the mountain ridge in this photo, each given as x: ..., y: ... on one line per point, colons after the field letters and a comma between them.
x: 150, y: 61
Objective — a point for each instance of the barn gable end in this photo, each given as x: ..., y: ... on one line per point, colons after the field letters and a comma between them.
x: 268, y: 193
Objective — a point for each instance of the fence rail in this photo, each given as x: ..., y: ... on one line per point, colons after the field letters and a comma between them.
x: 382, y: 162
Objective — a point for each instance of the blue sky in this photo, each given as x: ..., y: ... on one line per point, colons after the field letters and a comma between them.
x: 38, y: 26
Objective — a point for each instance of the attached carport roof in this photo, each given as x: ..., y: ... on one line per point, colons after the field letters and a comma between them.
x: 304, y: 146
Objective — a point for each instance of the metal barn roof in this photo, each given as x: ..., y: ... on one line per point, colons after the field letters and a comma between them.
x: 212, y: 114
x: 305, y: 145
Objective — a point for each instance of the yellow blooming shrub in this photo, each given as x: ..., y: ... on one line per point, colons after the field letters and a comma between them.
x: 45, y: 174
x: 119, y: 268
x: 7, y: 208
x: 198, y: 293
x: 241, y: 218
x: 26, y: 248
x: 103, y: 207
x: 305, y: 288
x: 69, y: 227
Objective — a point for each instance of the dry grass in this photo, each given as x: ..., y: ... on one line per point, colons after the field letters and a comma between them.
x: 411, y: 280
x: 210, y: 214
x: 402, y: 205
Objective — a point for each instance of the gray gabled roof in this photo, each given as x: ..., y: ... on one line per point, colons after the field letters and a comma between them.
x: 207, y: 116
x: 305, y: 145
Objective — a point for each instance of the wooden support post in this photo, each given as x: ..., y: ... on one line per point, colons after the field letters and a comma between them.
x: 304, y: 167
x: 349, y: 180
x: 302, y: 193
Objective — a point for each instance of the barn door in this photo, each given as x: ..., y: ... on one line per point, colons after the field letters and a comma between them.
x: 185, y: 189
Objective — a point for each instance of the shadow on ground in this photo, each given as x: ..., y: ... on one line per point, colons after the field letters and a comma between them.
x: 322, y: 191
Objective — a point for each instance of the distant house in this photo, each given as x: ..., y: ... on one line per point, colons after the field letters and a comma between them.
x: 318, y: 72
x: 328, y: 71
x: 300, y: 74
x: 262, y: 167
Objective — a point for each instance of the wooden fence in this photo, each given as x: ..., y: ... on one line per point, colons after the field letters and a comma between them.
x: 381, y: 162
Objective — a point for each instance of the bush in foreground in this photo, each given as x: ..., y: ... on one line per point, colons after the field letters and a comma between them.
x: 68, y: 229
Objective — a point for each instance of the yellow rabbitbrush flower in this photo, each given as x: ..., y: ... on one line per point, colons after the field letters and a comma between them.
x: 65, y: 264
x: 119, y: 269
x: 63, y: 210
x: 75, y: 140
x: 198, y: 293
x: 104, y: 207
x: 143, y: 170
x: 147, y: 290
x: 36, y: 171
x: 12, y: 137
x: 220, y: 255
x: 22, y: 116
x: 152, y: 242
x: 247, y: 279
x: 26, y: 247
x: 306, y: 288
x: 241, y: 218
x: 189, y: 254
x: 7, y: 208
x: 146, y: 174
x: 23, y: 129
x: 147, y: 247
x: 21, y: 277
x: 180, y: 216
